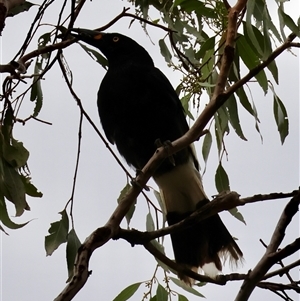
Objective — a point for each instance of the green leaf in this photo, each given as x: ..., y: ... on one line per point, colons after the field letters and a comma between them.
x: 186, y: 287
x: 221, y: 179
x: 234, y: 211
x: 161, y: 205
x: 288, y: 21
x: 160, y: 247
x: 13, y: 189
x: 2, y: 229
x: 208, y: 45
x: 20, y: 8
x: 197, y: 6
x: 185, y: 100
x: 128, y: 292
x: 267, y: 37
x: 15, y: 154
x: 221, y: 126
x: 164, y: 50
x: 95, y: 55
x: 30, y: 189
x: 149, y: 222
x: 182, y: 298
x: 4, y: 217
x: 206, y: 146
x: 161, y: 293
x: 244, y: 100
x: 251, y: 60
x: 6, y: 129
x: 274, y: 71
x: 272, y: 27
x: 250, y: 108
x: 73, y: 244
x: 257, y: 121
x: 188, y: 5
x: 251, y: 31
x: 130, y: 212
x: 36, y: 93
x: 233, y: 116
x: 58, y: 233
x: 208, y: 63
x: 250, y: 28
x: 281, y: 117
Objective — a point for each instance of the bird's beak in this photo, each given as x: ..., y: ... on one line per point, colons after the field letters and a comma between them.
x: 86, y: 35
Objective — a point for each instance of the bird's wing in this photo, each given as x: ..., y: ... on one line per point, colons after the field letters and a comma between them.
x: 137, y: 106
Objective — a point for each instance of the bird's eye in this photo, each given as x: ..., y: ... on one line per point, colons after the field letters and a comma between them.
x: 116, y: 39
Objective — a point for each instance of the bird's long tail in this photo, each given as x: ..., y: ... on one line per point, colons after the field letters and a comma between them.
x: 205, y: 244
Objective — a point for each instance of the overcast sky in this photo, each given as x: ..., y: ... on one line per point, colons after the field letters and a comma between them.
x: 253, y: 167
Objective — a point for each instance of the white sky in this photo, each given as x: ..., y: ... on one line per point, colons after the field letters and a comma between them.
x: 27, y: 274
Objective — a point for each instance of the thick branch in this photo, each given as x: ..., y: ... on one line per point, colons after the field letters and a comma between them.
x: 270, y: 257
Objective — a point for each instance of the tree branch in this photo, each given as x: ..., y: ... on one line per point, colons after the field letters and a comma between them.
x: 278, y: 286
x: 282, y: 271
x: 220, y: 203
x: 271, y: 255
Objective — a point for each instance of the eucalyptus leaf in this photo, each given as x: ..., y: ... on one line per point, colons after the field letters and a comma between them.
x: 149, y: 222
x: 13, y: 188
x: 206, y: 147
x: 20, y: 8
x: 161, y: 205
x: 281, y: 117
x: 161, y: 293
x: 235, y: 212
x: 73, y: 244
x: 58, y: 233
x: 130, y: 212
x: 164, y: 50
x: 36, y: 93
x: 221, y: 179
x: 187, y: 288
x: 5, y: 219
x: 251, y: 60
x: 30, y: 189
x: 15, y: 153
x: 182, y: 298
x: 128, y: 292
x: 233, y: 116
x: 288, y: 21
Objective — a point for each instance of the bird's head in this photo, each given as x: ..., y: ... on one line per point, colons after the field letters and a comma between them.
x: 116, y: 47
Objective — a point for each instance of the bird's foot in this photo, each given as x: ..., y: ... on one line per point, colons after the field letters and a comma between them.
x: 167, y: 145
x: 134, y: 182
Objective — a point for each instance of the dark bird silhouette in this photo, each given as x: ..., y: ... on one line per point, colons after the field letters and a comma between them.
x: 137, y: 106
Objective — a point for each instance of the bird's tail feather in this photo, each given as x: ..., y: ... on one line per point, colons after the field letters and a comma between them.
x: 204, y: 243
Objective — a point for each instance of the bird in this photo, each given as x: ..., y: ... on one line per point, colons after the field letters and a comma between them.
x: 138, y: 107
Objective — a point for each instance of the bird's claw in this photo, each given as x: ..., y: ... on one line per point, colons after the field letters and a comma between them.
x: 167, y: 145
x: 134, y: 182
